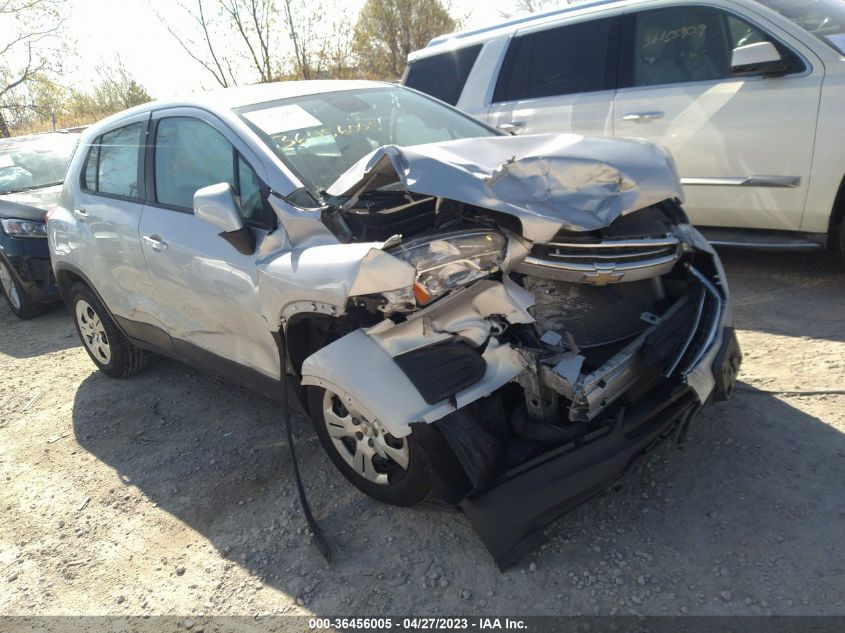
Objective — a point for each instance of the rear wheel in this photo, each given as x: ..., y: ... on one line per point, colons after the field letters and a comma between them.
x: 110, y: 350
x: 392, y: 470
x: 19, y: 302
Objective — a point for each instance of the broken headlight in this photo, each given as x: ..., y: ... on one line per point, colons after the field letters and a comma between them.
x: 450, y: 260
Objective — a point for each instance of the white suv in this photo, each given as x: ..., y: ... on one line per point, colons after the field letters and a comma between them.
x: 747, y: 95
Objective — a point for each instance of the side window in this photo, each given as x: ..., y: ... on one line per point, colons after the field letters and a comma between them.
x: 687, y: 44
x: 442, y: 76
x: 112, y: 163
x: 249, y: 191
x: 89, y: 174
x: 564, y: 60
x: 190, y: 154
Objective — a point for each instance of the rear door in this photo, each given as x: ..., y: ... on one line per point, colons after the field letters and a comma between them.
x: 558, y: 79
x: 207, y: 291
x: 108, y: 213
x: 743, y: 145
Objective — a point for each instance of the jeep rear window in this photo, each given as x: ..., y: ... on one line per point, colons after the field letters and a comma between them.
x: 442, y: 76
x: 823, y: 18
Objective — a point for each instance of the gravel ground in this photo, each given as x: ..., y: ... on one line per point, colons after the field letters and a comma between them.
x: 171, y: 493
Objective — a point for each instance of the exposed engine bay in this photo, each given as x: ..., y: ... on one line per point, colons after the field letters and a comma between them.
x: 544, y: 306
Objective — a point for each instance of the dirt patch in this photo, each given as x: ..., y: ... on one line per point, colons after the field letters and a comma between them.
x: 171, y: 493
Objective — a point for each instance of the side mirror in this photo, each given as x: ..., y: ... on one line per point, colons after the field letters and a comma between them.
x: 216, y: 205
x: 761, y: 57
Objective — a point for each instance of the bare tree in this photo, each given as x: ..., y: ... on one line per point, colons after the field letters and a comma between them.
x: 26, y: 47
x: 253, y: 20
x: 212, y: 46
x: 525, y: 7
x: 45, y: 104
x: 319, y: 38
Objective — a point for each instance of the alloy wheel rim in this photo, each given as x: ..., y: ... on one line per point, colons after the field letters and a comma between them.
x: 9, y: 287
x: 93, y: 332
x: 371, y: 453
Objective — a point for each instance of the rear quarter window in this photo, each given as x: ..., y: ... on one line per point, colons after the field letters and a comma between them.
x: 442, y: 76
x: 112, y: 164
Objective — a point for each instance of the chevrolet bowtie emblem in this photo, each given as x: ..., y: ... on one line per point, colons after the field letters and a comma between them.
x: 602, y: 276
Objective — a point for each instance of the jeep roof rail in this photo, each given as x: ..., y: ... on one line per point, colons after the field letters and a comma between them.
x: 440, y: 39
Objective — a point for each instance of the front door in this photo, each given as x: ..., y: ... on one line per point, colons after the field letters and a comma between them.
x: 743, y: 145
x: 207, y: 290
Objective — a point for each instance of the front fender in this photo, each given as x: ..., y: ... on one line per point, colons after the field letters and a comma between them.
x: 361, y: 367
x: 326, y: 276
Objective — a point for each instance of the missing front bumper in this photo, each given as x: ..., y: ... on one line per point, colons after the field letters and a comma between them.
x: 510, y: 516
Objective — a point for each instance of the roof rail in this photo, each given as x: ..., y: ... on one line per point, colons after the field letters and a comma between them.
x: 440, y: 39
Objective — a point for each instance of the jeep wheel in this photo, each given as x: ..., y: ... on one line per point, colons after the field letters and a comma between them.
x: 110, y: 350
x: 392, y: 470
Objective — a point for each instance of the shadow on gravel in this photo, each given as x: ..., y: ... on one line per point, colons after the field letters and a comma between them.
x: 781, y: 293
x: 756, y: 492
x: 50, y: 332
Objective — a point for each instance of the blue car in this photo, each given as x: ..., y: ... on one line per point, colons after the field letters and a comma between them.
x: 32, y: 169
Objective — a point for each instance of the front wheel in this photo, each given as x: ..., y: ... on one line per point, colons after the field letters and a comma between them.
x: 842, y: 241
x: 21, y: 305
x: 392, y: 470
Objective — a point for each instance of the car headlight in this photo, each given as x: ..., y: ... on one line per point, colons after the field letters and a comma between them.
x: 450, y: 260
x: 24, y: 228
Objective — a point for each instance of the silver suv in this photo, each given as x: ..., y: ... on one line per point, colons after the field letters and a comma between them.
x: 504, y: 321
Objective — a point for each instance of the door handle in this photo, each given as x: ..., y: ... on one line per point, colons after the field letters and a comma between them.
x: 81, y: 214
x: 511, y: 126
x: 155, y: 242
x: 643, y: 116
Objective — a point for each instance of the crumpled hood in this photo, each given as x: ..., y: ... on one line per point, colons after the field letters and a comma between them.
x: 548, y: 181
x: 31, y: 204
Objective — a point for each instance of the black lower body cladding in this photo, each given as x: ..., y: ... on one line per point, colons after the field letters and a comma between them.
x: 440, y: 371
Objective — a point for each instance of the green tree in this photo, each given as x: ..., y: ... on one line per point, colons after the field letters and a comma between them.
x: 388, y: 30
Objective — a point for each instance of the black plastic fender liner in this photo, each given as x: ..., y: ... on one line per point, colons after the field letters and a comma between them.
x: 510, y: 516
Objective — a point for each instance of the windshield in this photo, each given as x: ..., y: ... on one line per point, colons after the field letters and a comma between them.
x: 321, y: 136
x: 34, y: 162
x: 823, y: 18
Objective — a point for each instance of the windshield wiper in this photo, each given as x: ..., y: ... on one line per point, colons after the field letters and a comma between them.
x: 22, y: 189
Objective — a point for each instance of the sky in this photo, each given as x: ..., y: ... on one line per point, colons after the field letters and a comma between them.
x: 130, y: 29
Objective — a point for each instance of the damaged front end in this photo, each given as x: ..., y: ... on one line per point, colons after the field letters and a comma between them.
x: 543, y: 314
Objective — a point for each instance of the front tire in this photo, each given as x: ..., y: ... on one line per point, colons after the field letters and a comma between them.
x: 391, y: 470
x: 110, y: 350
x: 21, y: 305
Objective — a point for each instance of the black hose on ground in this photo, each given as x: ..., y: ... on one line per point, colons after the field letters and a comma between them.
x: 322, y: 543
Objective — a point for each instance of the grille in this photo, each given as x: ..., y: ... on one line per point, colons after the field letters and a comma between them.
x: 602, y: 263
x: 636, y: 251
